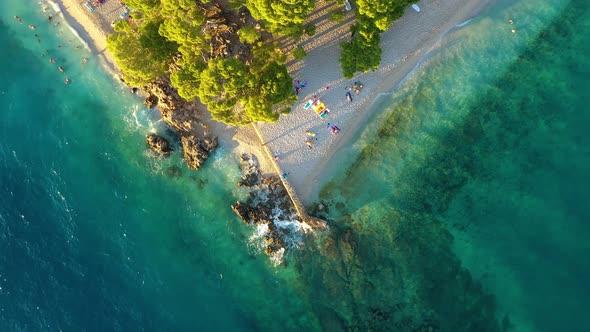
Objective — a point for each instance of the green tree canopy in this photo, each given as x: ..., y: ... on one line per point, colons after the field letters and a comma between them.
x: 361, y: 54
x: 144, y: 6
x: 382, y: 12
x: 174, y: 36
x: 222, y: 84
x: 142, y: 56
x: 283, y: 16
x: 248, y: 34
x: 187, y: 80
x: 182, y: 24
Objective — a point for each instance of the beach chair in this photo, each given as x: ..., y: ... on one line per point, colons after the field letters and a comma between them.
x: 89, y: 6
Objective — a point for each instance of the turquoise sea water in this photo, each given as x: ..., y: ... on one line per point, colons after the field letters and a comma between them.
x: 94, y: 236
x: 488, y: 141
x: 461, y: 207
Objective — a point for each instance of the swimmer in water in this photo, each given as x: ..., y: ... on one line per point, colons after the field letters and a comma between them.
x: 510, y: 21
x: 84, y: 60
x: 67, y: 81
x: 61, y: 69
x: 32, y: 27
x: 18, y: 19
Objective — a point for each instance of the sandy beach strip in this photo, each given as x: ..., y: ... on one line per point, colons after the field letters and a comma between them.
x: 403, y: 45
x: 93, y: 27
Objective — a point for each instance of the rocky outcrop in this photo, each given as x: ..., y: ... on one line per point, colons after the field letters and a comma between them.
x: 158, y: 144
x: 183, y: 116
x: 250, y: 171
x: 195, y: 150
x: 269, y: 204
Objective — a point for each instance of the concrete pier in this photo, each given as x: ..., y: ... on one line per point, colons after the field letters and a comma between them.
x: 311, y: 221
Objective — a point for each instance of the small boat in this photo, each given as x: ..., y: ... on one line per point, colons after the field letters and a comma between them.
x: 416, y: 8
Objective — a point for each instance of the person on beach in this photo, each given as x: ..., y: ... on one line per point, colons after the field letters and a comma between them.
x: 309, y: 144
x: 335, y: 130
x: 276, y: 156
x: 310, y: 133
x: 284, y: 175
x: 349, y: 97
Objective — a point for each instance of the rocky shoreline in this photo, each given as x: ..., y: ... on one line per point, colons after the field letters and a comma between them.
x: 268, y: 204
x: 182, y: 116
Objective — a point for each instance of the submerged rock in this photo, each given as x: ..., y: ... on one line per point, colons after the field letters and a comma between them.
x: 158, y: 144
x: 174, y: 171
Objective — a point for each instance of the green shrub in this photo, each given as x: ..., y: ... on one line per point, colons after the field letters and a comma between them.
x: 337, y: 15
x: 309, y: 29
x: 299, y: 53
x: 248, y: 35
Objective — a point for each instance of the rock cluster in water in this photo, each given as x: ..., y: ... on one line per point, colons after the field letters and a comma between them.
x: 158, y: 144
x: 268, y: 204
x: 181, y: 115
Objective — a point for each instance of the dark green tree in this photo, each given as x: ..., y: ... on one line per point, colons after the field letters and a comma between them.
x: 248, y: 34
x: 271, y: 94
x: 221, y: 86
x: 282, y: 16
x: 382, y: 12
x: 142, y: 55
x: 144, y: 6
x: 186, y: 80
x: 362, y: 53
x: 182, y: 24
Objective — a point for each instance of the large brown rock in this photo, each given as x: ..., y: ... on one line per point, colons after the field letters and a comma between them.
x: 196, y: 151
x: 158, y: 144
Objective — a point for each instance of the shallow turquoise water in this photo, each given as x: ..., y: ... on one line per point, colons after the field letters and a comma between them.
x: 489, y: 142
x: 462, y: 206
